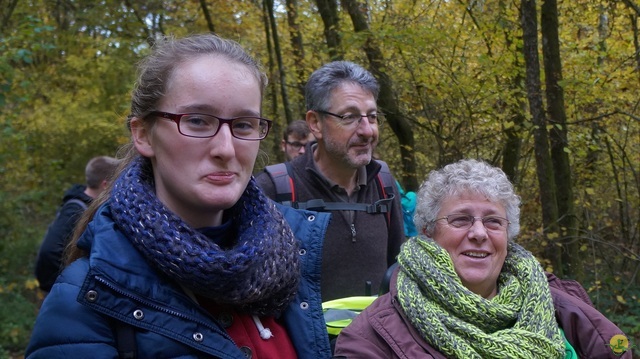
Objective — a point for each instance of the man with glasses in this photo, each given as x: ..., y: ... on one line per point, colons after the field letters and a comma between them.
x: 296, y: 136
x: 338, y: 172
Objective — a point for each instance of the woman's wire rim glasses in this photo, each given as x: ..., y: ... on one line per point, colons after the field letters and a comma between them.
x: 466, y: 221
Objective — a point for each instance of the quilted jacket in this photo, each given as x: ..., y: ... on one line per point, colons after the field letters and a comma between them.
x: 114, y: 284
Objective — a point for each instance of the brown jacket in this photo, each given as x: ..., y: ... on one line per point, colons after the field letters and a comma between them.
x: 383, y: 331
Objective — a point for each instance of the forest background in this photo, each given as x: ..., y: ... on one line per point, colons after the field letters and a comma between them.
x: 547, y: 91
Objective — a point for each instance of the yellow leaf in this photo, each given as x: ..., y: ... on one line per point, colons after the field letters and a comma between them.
x: 583, y: 248
x: 31, y: 284
x: 620, y: 299
x: 590, y: 191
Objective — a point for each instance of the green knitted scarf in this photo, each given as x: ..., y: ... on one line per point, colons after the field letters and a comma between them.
x: 519, y: 322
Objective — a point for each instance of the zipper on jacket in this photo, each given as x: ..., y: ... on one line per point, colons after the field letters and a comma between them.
x: 162, y: 309
x: 353, y: 233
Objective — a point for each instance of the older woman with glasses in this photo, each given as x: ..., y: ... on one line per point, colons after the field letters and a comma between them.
x: 465, y: 289
x: 184, y: 256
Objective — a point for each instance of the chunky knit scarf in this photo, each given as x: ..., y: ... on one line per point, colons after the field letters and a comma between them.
x: 258, y: 275
x: 518, y: 322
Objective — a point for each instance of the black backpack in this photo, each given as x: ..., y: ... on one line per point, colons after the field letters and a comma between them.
x: 286, y: 193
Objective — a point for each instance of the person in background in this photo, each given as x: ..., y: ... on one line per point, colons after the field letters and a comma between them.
x: 76, y: 199
x: 408, y: 202
x: 295, y: 139
x: 465, y: 289
x: 184, y: 256
x: 343, y: 116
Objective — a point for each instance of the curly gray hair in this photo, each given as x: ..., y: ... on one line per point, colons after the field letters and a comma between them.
x: 466, y: 175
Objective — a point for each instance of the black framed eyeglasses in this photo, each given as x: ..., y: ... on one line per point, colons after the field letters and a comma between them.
x: 198, y: 125
x: 355, y: 118
x: 295, y: 144
x: 465, y: 221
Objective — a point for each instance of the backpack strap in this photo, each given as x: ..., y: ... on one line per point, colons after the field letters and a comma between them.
x: 280, y: 174
x: 386, y: 180
x: 319, y: 205
x: 385, y: 285
x: 386, y: 185
x: 75, y: 201
x: 285, y: 190
x: 79, y: 202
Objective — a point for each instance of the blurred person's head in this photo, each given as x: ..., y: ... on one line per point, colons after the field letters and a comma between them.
x: 98, y: 173
x: 295, y: 138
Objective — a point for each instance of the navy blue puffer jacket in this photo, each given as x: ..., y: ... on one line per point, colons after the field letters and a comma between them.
x: 115, y: 284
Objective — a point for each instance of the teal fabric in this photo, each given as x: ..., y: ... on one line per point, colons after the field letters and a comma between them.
x: 569, y: 352
x: 408, y: 202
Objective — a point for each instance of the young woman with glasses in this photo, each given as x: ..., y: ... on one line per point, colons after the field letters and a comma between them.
x: 184, y: 256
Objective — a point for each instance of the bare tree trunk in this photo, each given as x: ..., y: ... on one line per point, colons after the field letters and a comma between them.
x: 636, y: 44
x: 273, y: 91
x: 298, y: 49
x: 328, y: 10
x: 559, y: 140
x: 6, y: 10
x: 541, y: 142
x: 512, y: 147
x: 634, y: 26
x: 281, y: 73
x: 513, y: 144
x: 387, y: 101
x: 207, y: 16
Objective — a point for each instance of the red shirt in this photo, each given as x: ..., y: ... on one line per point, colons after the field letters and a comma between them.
x: 243, y: 329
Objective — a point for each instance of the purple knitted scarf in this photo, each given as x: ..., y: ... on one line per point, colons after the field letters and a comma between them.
x: 258, y: 275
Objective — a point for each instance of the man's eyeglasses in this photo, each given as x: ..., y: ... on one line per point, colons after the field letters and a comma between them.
x: 354, y: 118
x: 202, y: 126
x: 295, y: 144
x: 465, y: 221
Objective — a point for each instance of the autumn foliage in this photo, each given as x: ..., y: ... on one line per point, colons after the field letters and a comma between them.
x: 457, y: 82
